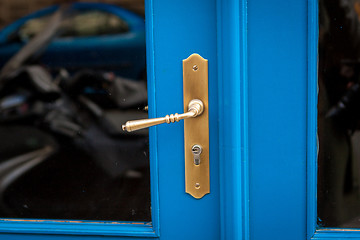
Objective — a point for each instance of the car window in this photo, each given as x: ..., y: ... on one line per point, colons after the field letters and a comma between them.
x: 98, y: 23
x: 32, y: 27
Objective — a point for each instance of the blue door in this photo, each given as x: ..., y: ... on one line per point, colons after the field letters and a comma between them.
x: 174, y: 31
x: 265, y: 128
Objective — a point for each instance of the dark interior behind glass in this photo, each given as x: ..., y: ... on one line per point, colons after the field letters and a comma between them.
x: 339, y: 114
x: 69, y: 78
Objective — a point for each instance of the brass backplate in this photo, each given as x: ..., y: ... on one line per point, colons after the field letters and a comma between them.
x: 196, y: 130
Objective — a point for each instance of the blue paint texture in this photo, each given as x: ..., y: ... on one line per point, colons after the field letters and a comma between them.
x: 277, y: 76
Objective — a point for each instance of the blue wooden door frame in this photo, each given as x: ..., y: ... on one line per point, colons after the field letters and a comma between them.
x: 263, y: 82
x: 175, y: 30
x: 277, y: 138
x: 263, y: 68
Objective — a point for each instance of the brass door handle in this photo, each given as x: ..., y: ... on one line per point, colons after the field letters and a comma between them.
x: 195, y: 108
x: 196, y: 127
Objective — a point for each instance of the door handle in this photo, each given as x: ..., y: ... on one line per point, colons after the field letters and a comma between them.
x: 195, y: 108
x: 196, y: 125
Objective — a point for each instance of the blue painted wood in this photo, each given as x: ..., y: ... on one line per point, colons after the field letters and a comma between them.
x: 171, y: 37
x: 259, y: 89
x: 277, y: 77
x: 176, y: 37
x: 330, y: 234
x: 71, y: 227
x: 61, y: 237
x: 312, y: 151
x: 153, y: 146
x: 232, y: 65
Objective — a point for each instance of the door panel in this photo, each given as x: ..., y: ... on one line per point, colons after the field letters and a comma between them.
x: 176, y: 37
x: 284, y: 103
x: 277, y: 60
x: 175, y: 30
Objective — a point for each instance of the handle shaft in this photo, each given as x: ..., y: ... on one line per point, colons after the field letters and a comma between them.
x: 195, y: 108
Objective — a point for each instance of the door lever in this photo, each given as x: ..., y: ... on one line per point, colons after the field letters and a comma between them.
x: 195, y: 108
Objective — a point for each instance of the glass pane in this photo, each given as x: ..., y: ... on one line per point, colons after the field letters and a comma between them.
x: 70, y: 76
x: 339, y: 114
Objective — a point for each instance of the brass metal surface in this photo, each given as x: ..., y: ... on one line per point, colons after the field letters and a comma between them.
x: 196, y: 130
x: 195, y: 108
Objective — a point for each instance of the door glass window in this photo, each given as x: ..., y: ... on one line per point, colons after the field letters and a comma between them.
x: 339, y: 114
x: 98, y: 23
x: 63, y: 153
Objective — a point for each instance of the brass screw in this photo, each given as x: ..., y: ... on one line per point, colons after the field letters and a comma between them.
x: 195, y: 67
x: 197, y: 185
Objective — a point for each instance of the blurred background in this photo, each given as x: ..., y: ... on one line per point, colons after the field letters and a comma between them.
x: 11, y: 10
x: 71, y: 73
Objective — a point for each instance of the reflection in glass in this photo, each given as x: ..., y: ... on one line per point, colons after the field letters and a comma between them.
x: 70, y: 77
x: 339, y: 114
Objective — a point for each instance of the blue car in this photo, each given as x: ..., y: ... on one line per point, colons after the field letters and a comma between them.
x: 96, y: 36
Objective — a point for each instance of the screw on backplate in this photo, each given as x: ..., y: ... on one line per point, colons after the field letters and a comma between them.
x: 197, y: 185
x: 195, y: 67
